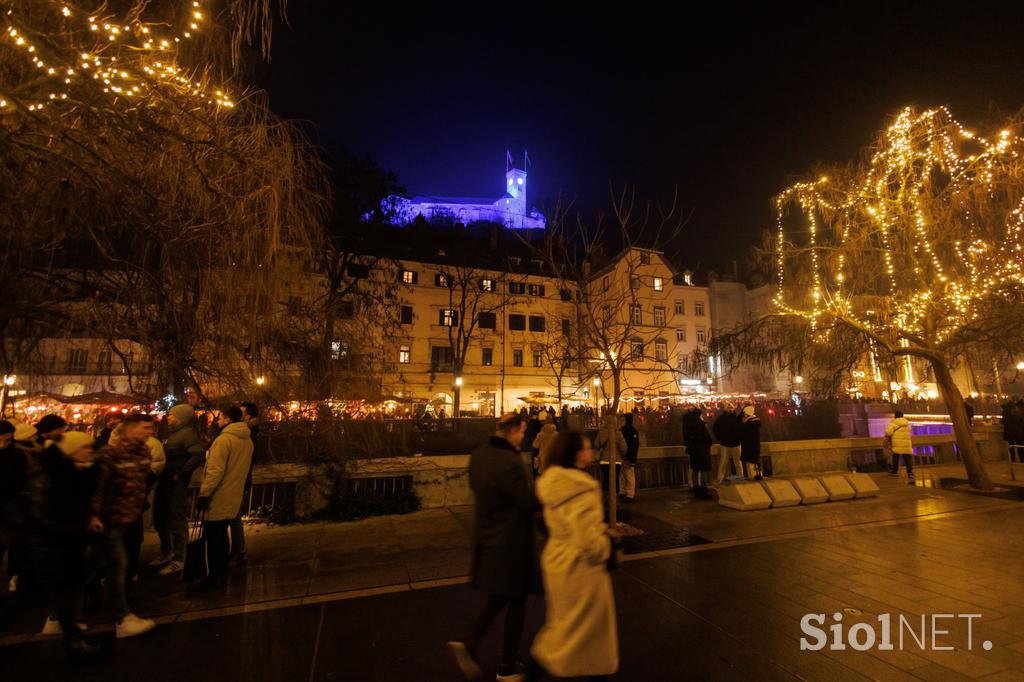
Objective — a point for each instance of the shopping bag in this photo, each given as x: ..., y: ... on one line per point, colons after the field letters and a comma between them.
x: 195, y: 567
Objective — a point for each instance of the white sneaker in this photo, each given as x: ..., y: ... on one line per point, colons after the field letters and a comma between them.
x: 132, y: 625
x: 160, y: 561
x: 172, y: 567
x: 52, y: 627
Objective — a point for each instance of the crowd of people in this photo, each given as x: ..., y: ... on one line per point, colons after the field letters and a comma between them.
x: 72, y: 506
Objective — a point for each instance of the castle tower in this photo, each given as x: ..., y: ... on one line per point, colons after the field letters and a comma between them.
x: 515, y: 186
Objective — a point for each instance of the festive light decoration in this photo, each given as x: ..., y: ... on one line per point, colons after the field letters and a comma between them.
x: 939, y: 210
x: 127, y: 59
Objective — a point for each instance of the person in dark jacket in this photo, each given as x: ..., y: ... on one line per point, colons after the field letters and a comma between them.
x: 727, y: 431
x: 627, y: 476
x: 58, y: 494
x: 698, y: 449
x: 14, y: 468
x: 184, y: 452
x: 1013, y: 429
x: 503, y: 565
x: 750, y: 444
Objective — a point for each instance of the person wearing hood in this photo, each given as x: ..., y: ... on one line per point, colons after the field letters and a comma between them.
x: 184, y: 454
x: 897, y: 435
x: 579, y: 637
x: 697, y: 441
x: 503, y: 563
x: 123, y: 468
x: 220, y: 494
x: 547, y: 434
x: 750, y: 444
x: 58, y: 493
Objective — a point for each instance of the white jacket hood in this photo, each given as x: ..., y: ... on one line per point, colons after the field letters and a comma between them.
x: 236, y: 429
x: 559, y: 484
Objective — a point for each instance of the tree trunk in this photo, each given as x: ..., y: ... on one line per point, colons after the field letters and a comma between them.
x: 966, y: 444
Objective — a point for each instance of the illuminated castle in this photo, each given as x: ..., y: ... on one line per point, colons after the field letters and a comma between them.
x: 510, y: 209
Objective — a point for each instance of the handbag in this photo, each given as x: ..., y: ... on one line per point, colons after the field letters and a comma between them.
x: 195, y: 567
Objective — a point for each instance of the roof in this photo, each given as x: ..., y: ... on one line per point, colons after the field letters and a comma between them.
x: 476, y: 201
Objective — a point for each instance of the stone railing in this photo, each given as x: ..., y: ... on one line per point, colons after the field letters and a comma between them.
x: 442, y: 481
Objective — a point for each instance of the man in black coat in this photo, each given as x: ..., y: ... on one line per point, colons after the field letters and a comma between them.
x: 503, y: 544
x: 627, y: 476
x: 727, y: 431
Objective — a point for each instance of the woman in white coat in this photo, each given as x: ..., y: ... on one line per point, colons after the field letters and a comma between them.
x: 579, y: 636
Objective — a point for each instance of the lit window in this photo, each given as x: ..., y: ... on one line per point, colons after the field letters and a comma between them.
x: 698, y: 308
x: 487, y: 284
x: 408, y: 277
x: 404, y: 355
x: 520, y: 181
x: 681, y: 334
x: 660, y: 350
x: 536, y: 289
x: 448, y: 317
x: 339, y: 350
x: 441, y: 280
x: 658, y: 284
x: 636, y: 349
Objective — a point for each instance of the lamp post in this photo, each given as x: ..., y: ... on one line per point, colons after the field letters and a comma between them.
x: 597, y: 406
x: 260, y: 380
x: 458, y: 392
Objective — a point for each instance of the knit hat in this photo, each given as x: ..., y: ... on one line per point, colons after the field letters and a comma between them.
x: 50, y: 422
x: 6, y: 427
x: 24, y: 431
x: 183, y: 413
x: 73, y: 441
x: 749, y: 410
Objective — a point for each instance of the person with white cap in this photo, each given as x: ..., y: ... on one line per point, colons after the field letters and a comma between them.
x: 58, y: 492
x: 184, y: 452
x: 750, y: 444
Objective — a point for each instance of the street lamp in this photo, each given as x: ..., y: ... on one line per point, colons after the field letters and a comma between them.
x: 10, y: 379
x: 260, y: 380
x: 1020, y: 365
x: 597, y: 405
x: 798, y: 379
x: 458, y: 381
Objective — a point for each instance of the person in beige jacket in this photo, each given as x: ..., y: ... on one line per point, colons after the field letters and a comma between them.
x: 220, y: 494
x: 579, y: 637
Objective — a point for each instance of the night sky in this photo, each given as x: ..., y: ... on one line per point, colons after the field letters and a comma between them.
x: 728, y: 107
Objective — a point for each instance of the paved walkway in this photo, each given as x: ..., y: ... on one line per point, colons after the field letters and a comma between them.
x: 375, y: 600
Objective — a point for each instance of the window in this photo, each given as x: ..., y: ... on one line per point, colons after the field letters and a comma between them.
x: 517, y: 358
x: 345, y: 310
x: 536, y: 290
x: 446, y: 317
x: 645, y: 258
x: 604, y: 283
x: 487, y: 320
x: 358, y: 271
x: 538, y: 358
x: 406, y: 314
x: 442, y: 280
x: 636, y: 349
x: 698, y: 308
x: 688, y: 279
x: 487, y: 285
x: 517, y: 322
x: 659, y: 284
x: 566, y: 326
x: 701, y: 335
x: 517, y: 287
x: 634, y: 282
x: 404, y: 355
x: 408, y: 277
x: 536, y: 262
x: 487, y: 357
x: 659, y: 316
x: 339, y: 350
x: 103, y: 361
x: 565, y: 295
x: 636, y: 314
x: 681, y: 334
x: 294, y: 305
x: 515, y: 260
x: 537, y: 323
x: 440, y: 359
x: 78, y: 359
x: 680, y: 308
x: 660, y: 350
